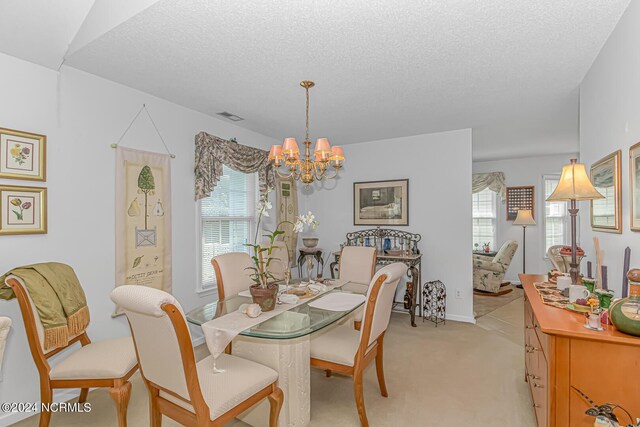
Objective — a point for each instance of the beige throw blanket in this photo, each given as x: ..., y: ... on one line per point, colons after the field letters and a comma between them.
x: 58, y: 297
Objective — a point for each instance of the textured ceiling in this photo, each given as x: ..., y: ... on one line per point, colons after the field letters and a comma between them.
x: 508, y: 69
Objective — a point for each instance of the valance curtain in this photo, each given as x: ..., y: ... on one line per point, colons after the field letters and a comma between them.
x: 213, y: 152
x: 494, y: 181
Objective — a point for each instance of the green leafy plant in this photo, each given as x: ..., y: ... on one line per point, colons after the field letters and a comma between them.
x: 262, y: 255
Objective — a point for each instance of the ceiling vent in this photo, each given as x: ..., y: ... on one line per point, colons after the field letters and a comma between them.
x: 230, y: 116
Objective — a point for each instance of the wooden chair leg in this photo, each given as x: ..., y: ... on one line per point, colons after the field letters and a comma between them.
x: 327, y: 373
x: 120, y: 393
x: 46, y: 397
x: 380, y: 368
x: 83, y: 395
x: 359, y: 395
x: 276, y: 398
x: 155, y: 417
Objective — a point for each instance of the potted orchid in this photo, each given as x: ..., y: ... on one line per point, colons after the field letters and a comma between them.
x: 264, y: 291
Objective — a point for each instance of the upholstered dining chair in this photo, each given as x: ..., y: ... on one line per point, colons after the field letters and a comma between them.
x: 189, y: 392
x: 558, y: 262
x: 280, y: 261
x: 106, y: 363
x: 357, y: 266
x: 232, y: 274
x: 5, y: 326
x: 346, y: 351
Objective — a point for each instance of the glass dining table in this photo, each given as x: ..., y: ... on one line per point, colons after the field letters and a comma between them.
x: 281, y: 342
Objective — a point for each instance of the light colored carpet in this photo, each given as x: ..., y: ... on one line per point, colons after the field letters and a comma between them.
x: 456, y: 374
x: 485, y: 304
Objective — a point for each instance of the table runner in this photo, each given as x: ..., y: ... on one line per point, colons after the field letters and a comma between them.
x: 219, y: 332
x: 551, y: 295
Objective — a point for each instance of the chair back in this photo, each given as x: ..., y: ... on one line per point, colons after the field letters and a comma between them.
x: 358, y: 263
x: 232, y: 274
x: 379, y: 302
x: 161, y: 338
x: 5, y: 325
x: 280, y: 259
x: 506, y: 253
x: 558, y: 262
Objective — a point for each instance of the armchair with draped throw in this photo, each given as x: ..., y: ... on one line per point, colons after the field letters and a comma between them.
x: 489, y: 272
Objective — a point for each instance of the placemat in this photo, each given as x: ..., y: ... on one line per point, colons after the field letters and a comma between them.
x: 551, y: 295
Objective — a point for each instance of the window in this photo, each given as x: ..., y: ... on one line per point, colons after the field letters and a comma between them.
x: 555, y: 216
x: 484, y: 218
x: 227, y: 220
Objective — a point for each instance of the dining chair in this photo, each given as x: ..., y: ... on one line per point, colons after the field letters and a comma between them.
x: 5, y: 326
x: 280, y: 259
x: 188, y: 392
x: 346, y: 351
x: 232, y: 274
x: 107, y: 363
x: 357, y: 266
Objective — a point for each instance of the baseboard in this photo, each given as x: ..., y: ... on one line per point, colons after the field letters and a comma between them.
x: 460, y: 318
x: 198, y: 341
x: 59, y: 396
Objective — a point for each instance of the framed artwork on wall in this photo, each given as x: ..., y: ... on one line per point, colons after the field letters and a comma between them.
x: 634, y: 175
x: 22, y: 155
x: 520, y: 198
x: 23, y: 210
x: 606, y: 213
x: 381, y: 202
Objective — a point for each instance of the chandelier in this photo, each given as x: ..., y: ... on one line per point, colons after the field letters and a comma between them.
x: 308, y: 168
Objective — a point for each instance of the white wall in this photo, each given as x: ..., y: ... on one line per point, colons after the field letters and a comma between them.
x: 519, y: 172
x: 609, y: 112
x: 82, y: 115
x: 439, y: 170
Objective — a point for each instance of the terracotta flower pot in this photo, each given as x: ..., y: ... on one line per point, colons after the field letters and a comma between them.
x: 264, y: 297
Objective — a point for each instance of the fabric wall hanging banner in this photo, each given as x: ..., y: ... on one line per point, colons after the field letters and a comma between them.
x: 494, y: 181
x: 213, y: 152
x: 143, y: 219
x: 287, y: 203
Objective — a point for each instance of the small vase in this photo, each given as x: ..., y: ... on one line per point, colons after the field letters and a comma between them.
x: 264, y: 297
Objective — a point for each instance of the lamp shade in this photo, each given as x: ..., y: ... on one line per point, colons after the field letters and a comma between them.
x: 574, y: 184
x: 524, y: 218
x: 336, y: 153
x: 275, y: 153
x: 290, y: 147
x: 322, y: 146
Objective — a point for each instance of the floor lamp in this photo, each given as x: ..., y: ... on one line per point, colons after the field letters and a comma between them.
x: 574, y: 185
x: 524, y: 218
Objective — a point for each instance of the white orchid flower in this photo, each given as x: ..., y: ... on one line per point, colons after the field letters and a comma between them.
x: 298, y: 226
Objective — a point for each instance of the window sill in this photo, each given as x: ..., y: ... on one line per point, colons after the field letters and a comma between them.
x: 206, y: 292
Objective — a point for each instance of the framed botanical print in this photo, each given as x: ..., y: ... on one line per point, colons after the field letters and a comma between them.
x: 634, y: 175
x: 606, y: 213
x: 381, y: 202
x: 22, y: 155
x: 23, y: 210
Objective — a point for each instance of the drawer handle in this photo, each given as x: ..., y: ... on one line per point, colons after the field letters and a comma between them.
x: 537, y: 385
x: 535, y: 405
x: 528, y: 327
x: 534, y: 377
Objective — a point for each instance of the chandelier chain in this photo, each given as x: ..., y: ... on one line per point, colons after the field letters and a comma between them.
x: 307, y: 136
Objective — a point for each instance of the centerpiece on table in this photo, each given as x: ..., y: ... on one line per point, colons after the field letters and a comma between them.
x: 265, y: 289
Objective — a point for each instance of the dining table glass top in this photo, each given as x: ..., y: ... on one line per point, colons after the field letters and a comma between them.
x: 296, y: 322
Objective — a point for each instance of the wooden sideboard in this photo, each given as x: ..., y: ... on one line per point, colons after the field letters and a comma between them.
x: 560, y: 355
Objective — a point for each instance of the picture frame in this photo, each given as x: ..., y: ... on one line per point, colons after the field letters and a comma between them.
x: 381, y: 202
x: 522, y: 197
x: 606, y: 175
x: 23, y: 155
x: 23, y: 210
x: 634, y: 186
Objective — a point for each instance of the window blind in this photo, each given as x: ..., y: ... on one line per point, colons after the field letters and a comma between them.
x: 555, y: 219
x: 484, y: 213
